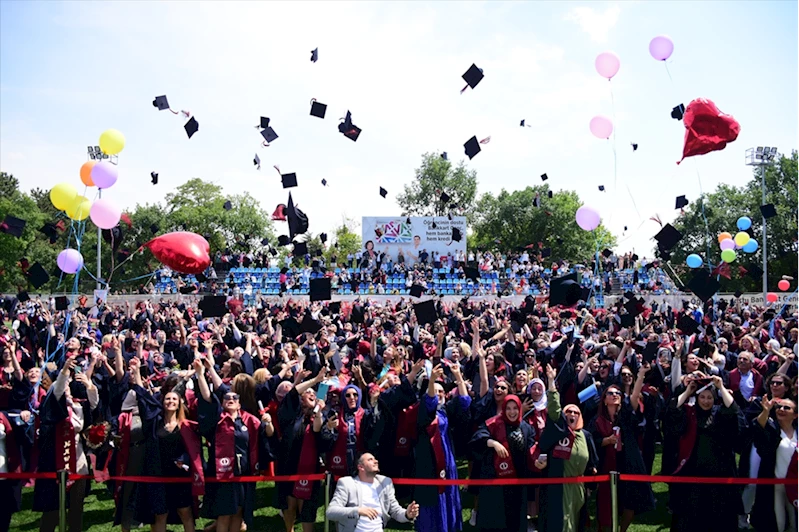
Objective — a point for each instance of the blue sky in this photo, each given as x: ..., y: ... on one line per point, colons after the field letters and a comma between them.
x: 70, y: 70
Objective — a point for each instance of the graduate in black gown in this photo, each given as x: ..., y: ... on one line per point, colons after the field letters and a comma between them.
x: 10, y: 490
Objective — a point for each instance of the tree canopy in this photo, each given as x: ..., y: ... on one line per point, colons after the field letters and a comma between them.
x: 436, y: 176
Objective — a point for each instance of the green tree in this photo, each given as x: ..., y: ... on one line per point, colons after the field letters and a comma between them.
x: 8, y: 185
x: 436, y: 176
x: 512, y: 219
x: 346, y: 240
x: 724, y: 206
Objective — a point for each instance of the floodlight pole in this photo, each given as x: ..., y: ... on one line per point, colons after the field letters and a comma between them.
x: 765, y: 246
x: 99, y: 242
x: 762, y: 157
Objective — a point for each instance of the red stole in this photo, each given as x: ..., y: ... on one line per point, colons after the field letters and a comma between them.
x: 191, y: 441
x: 271, y: 409
x: 503, y: 467
x: 66, y: 453
x: 337, y: 458
x: 437, y: 442
x: 538, y: 420
x: 563, y: 449
x: 225, y: 444
x: 125, y: 420
x: 13, y: 459
x: 406, y: 429
x: 309, y: 460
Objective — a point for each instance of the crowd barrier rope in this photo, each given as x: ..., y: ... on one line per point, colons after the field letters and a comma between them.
x: 328, y: 480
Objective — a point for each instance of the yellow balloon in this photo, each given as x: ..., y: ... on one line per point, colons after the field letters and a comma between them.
x: 62, y: 195
x: 741, y: 239
x: 79, y: 209
x: 724, y: 236
x: 112, y: 141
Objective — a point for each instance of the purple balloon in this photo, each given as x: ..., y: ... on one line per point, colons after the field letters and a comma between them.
x: 607, y: 64
x: 601, y: 127
x: 104, y: 174
x: 587, y: 218
x: 70, y: 260
x: 727, y: 243
x: 105, y: 214
x: 661, y: 47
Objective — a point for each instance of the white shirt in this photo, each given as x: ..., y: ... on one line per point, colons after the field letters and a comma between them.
x: 785, y: 452
x: 370, y: 499
x: 747, y: 385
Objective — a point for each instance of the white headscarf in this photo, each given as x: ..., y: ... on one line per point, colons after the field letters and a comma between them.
x: 541, y: 404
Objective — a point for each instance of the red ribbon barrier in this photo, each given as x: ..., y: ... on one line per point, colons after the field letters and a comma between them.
x: 166, y: 480
x: 496, y: 481
x: 708, y: 480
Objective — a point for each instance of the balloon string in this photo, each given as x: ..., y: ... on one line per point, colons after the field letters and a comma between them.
x: 704, y: 217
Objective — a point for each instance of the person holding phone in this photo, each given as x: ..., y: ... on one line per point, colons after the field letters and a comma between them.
x: 348, y: 425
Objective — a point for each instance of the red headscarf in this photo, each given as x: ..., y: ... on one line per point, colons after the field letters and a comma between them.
x: 504, y: 414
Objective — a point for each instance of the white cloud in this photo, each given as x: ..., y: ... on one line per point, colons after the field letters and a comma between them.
x: 597, y: 24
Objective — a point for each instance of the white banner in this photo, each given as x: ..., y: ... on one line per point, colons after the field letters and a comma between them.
x: 393, y: 235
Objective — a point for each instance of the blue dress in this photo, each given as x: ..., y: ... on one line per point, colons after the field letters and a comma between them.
x: 445, y: 515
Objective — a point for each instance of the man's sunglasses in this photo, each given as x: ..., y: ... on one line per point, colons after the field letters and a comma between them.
x: 231, y: 397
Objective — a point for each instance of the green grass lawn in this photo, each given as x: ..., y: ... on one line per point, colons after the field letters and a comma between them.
x: 99, y: 512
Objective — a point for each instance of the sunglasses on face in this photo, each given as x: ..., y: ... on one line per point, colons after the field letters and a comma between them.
x: 613, y: 392
x: 231, y: 397
x: 501, y: 388
x: 352, y: 395
x: 627, y: 375
x: 777, y: 383
x: 787, y: 408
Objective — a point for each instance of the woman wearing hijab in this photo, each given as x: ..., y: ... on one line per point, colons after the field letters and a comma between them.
x: 570, y: 452
x: 614, y: 433
x: 505, y: 447
x: 439, y: 507
x: 707, y: 435
x: 347, y: 434
x: 776, y: 442
x: 537, y: 416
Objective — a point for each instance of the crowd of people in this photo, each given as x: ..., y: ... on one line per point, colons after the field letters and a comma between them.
x: 364, y: 389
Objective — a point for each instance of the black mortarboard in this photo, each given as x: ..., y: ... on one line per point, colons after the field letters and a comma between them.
x: 629, y: 294
x: 289, y: 180
x: 37, y: 275
x: 291, y: 327
x: 546, y: 252
x: 264, y: 122
x: 153, y: 228
x: 417, y: 290
x: 703, y: 285
x: 472, y: 147
x: 425, y: 312
x: 445, y: 197
x: 256, y: 161
x: 191, y: 127
x: 677, y: 112
x: 161, y: 103
x: 318, y: 109
x: 213, y: 306
x: 544, y: 177
x: 634, y: 257
x: 383, y: 192
x: 564, y: 290
x: 122, y: 255
x: 444, y: 156
x: 154, y: 177
x: 634, y: 145
x: 634, y: 307
x: 269, y: 135
x: 283, y: 240
x: 602, y: 188
x: 606, y: 253
x: 755, y: 272
x: 471, y: 273
x: 668, y: 237
x: 188, y: 289
x: 228, y: 205
x: 319, y: 289
x: 273, y: 252
x: 768, y: 211
x: 323, y: 237
x: 324, y: 182
x: 309, y: 324
x: 201, y: 278
x: 549, y: 193
x: 457, y: 236
x: 298, y: 221
x: 627, y: 320
x: 521, y: 124
x: 334, y: 307
x: 314, y: 55
x: 348, y: 129
x: 738, y: 293
x: 315, y: 264
x: 284, y: 270
x: 264, y: 241
x: 473, y: 76
x: 687, y: 324
x: 680, y: 202
x: 300, y: 249
x: 12, y: 226
x: 23, y: 297
x: 61, y: 303
x: 50, y: 231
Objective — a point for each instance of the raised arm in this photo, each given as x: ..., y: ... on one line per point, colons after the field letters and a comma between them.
x: 635, y: 396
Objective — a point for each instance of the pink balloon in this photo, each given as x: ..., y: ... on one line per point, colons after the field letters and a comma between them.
x: 601, y: 127
x: 587, y: 218
x: 105, y: 214
x: 70, y: 260
x: 771, y: 297
x: 104, y: 174
x: 607, y: 64
x: 661, y: 47
x: 727, y: 243
x: 783, y: 285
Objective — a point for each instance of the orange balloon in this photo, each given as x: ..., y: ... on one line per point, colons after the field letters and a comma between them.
x: 86, y: 173
x: 724, y: 236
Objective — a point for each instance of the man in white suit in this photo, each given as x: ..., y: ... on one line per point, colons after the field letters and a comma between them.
x: 366, y: 503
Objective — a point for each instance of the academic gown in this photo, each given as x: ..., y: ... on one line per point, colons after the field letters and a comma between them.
x: 700, y: 507
x: 766, y: 441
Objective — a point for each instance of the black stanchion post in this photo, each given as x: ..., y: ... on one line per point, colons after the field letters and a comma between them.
x: 328, y: 484
x: 62, y: 477
x: 614, y: 500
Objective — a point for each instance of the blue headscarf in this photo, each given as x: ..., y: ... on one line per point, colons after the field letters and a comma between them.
x: 343, y: 399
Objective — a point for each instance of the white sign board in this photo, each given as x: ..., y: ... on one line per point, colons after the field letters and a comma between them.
x: 393, y: 235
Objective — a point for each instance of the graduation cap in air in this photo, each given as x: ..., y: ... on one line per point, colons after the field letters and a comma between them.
x: 680, y: 202
x: 687, y: 324
x: 300, y: 249
x: 314, y: 55
x: 289, y: 180
x: 272, y: 251
x: 153, y: 228
x: 334, y: 307
x: 544, y: 177
x: 50, y: 231
x: 425, y: 312
x: 23, y: 296
x: 228, y: 205
x: 37, y: 275
x: 256, y: 161
x: 768, y: 211
x: 269, y: 135
x: 472, y: 273
x: 201, y: 278
x: 348, y: 129
x: 298, y: 221
x: 754, y: 271
x: 280, y: 213
x: 154, y: 177
x: 61, y: 303
x: 291, y: 327
x: 602, y: 188
x: 564, y: 290
x: 634, y: 145
x: 627, y: 320
x: 283, y: 240
x: 678, y: 112
x: 318, y: 109
x: 444, y: 156
x: 417, y: 290
x: 309, y: 324
x: 12, y: 226
x: 383, y: 192
x: 472, y: 147
x: 634, y: 306
x: 213, y: 306
x: 445, y: 197
x: 457, y: 235
x: 323, y: 237
x: 264, y: 122
x: 668, y: 237
x: 324, y: 182
x: 522, y: 124
x: 161, y: 103
x: 546, y: 252
x: 549, y: 194
x: 703, y: 285
x: 473, y: 76
x: 191, y: 127
x: 188, y: 289
x: 606, y: 253
x: 320, y: 289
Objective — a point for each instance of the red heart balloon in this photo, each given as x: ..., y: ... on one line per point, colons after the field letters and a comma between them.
x: 706, y: 128
x: 182, y: 251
